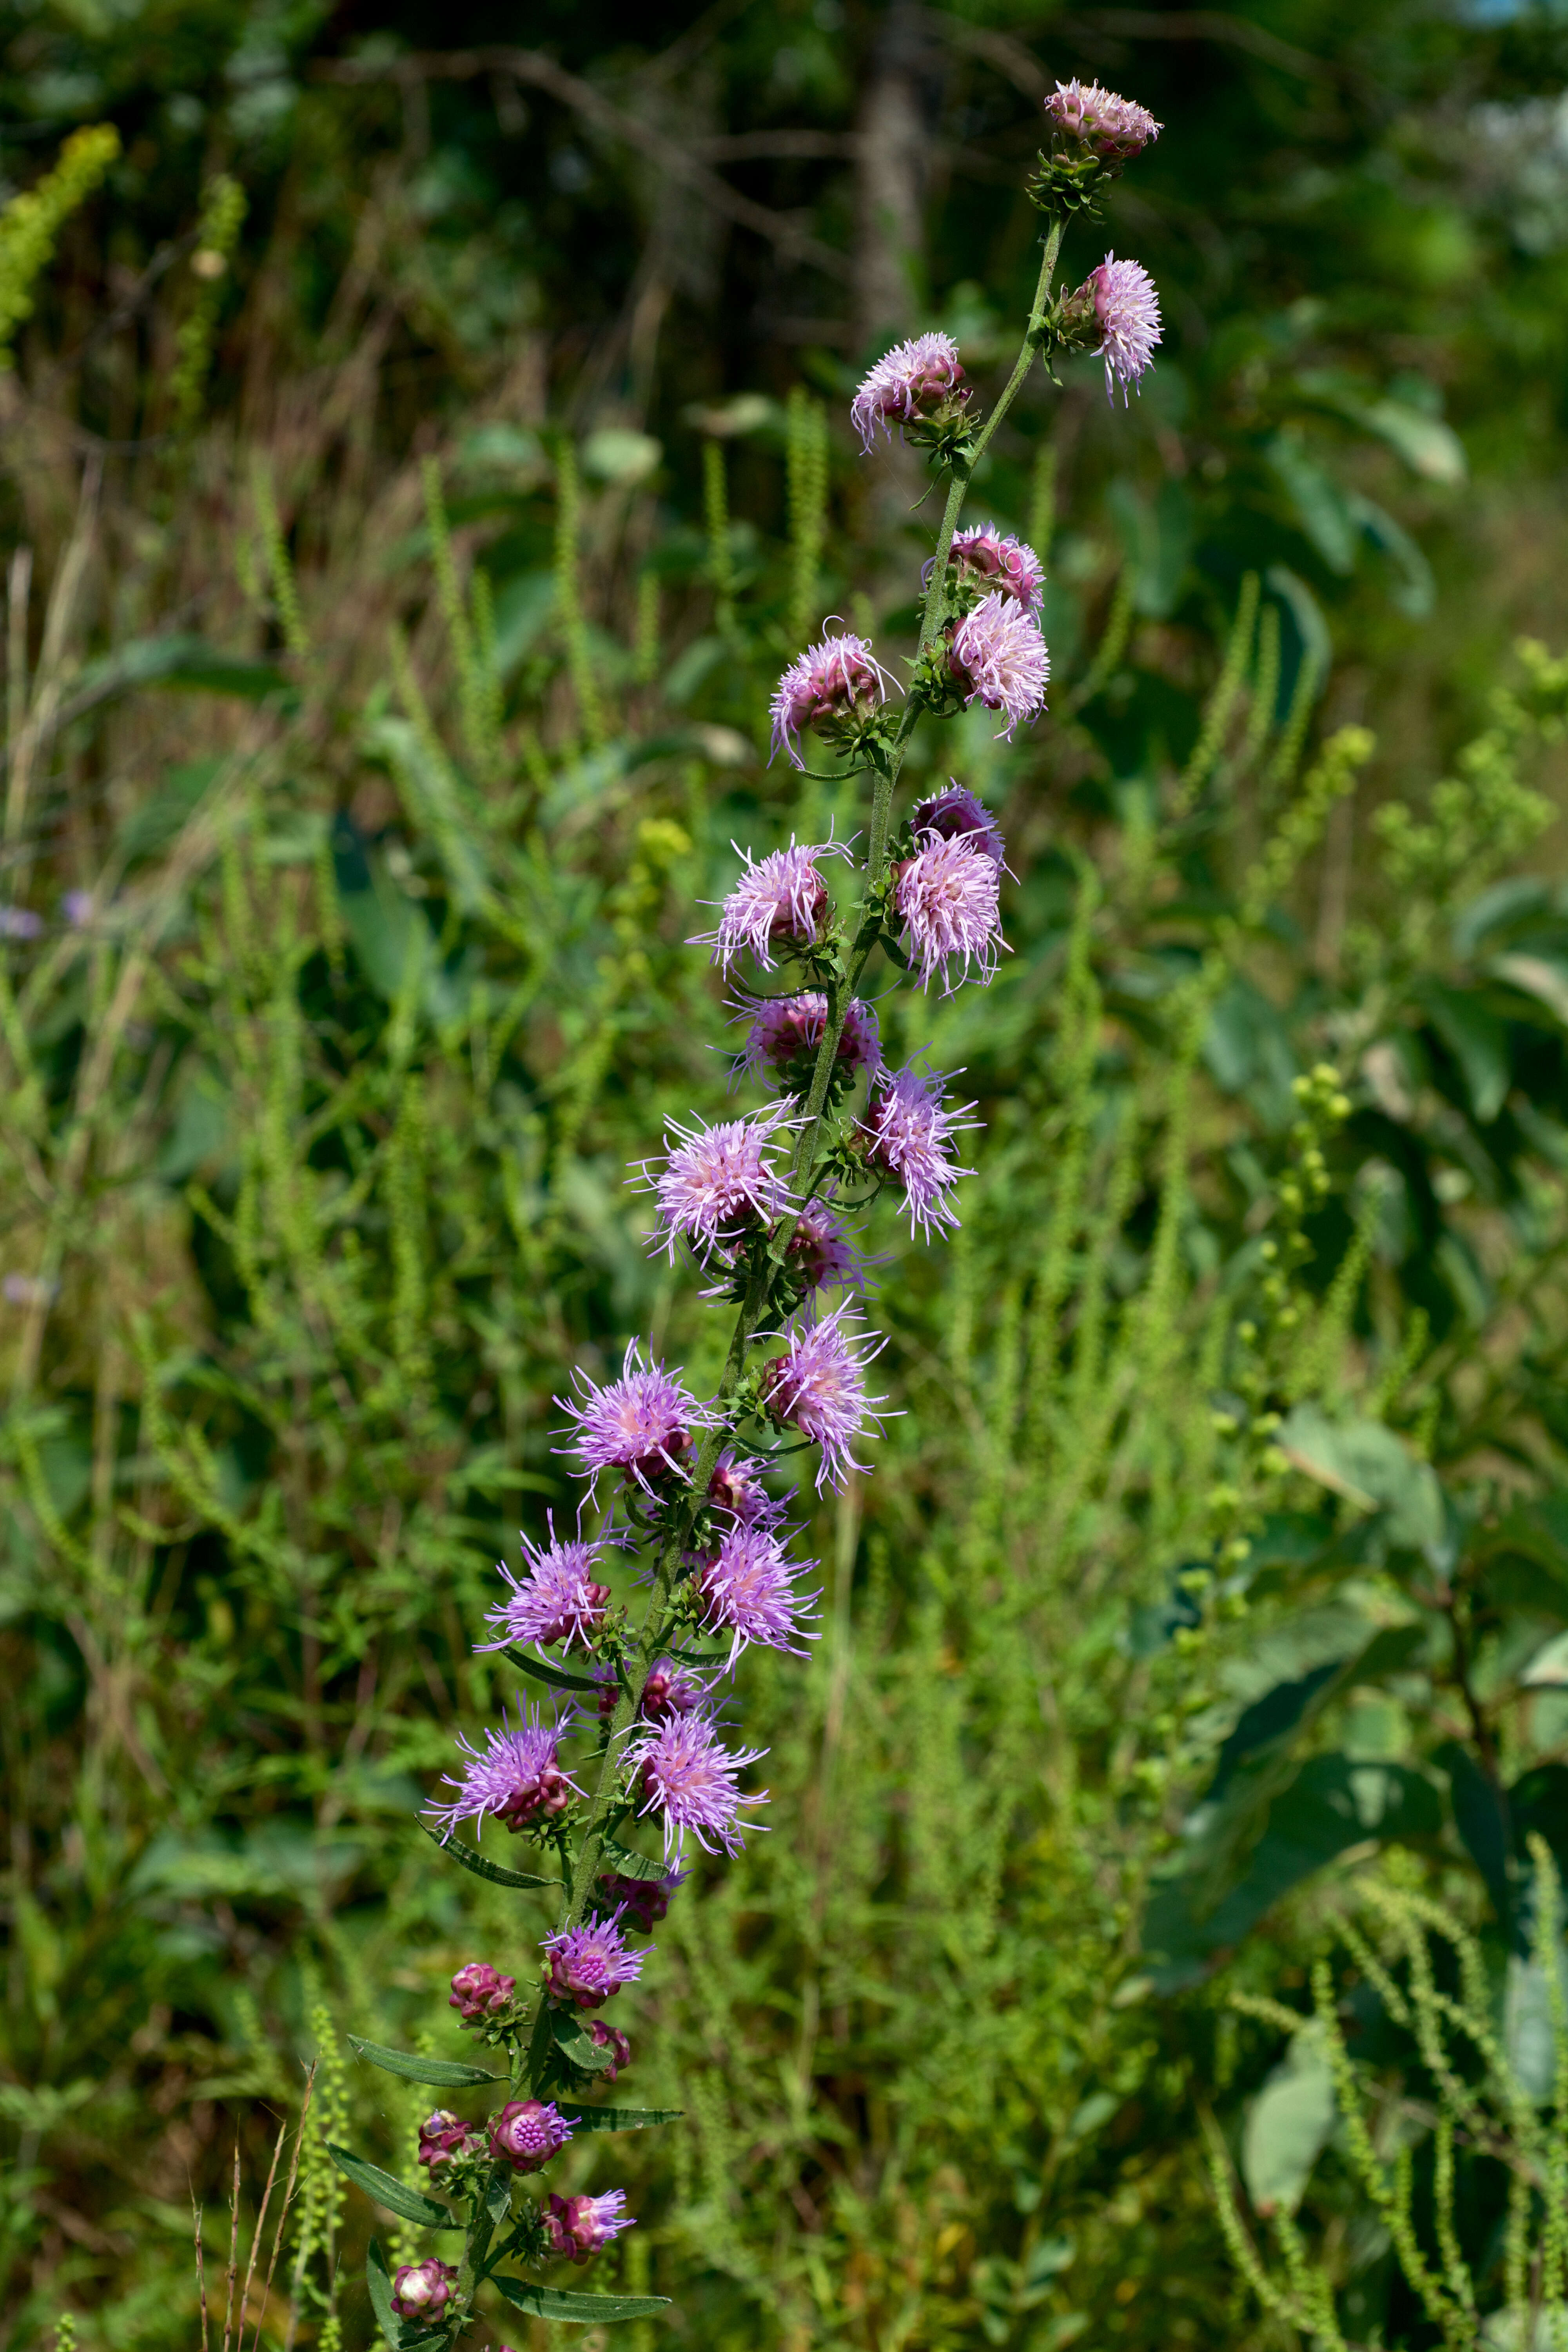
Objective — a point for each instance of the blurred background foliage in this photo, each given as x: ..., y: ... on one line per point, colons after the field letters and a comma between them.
x: 419, y: 463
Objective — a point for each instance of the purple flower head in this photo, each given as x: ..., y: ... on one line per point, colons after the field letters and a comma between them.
x: 423, y: 2290
x: 443, y: 2136
x: 588, y: 1964
x: 908, y: 385
x: 19, y: 923
x: 641, y: 1423
x: 718, y: 1180
x: 997, y: 656
x: 558, y: 1600
x: 689, y: 1775
x: 778, y: 902
x: 527, y: 2133
x: 479, y: 1991
x: 1115, y: 129
x: 987, y: 553
x: 579, y: 2227
x: 750, y: 1590
x: 818, y: 1386
x: 736, y: 1486
x: 957, y: 815
x: 667, y: 1691
x: 610, y: 2037
x: 909, y: 1135
x: 820, y: 1252
x: 643, y: 1901
x: 831, y: 685
x: 949, y: 894
x: 515, y: 1778
x: 788, y: 1030
x: 1127, y: 308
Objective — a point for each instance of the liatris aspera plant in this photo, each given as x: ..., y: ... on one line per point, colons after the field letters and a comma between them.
x: 763, y: 1206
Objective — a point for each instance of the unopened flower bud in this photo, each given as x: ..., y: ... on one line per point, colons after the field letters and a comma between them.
x: 479, y: 1991
x: 610, y: 2037
x: 442, y: 2136
x: 423, y: 2290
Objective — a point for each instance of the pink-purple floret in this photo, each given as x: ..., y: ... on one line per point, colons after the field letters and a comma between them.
x: 689, y: 1775
x: 818, y: 1386
x: 515, y: 1778
x: 588, y: 1964
x: 909, y: 1135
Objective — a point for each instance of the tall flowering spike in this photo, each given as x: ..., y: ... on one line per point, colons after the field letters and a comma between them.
x: 557, y: 1602
x: 909, y: 1135
x: 515, y: 1778
x: 831, y: 687
x: 986, y: 553
x: 588, y: 1964
x: 736, y: 1486
x: 997, y: 656
x: 1115, y: 129
x: 788, y: 1030
x: 718, y: 1180
x: 778, y: 903
x: 818, y: 1386
x: 641, y: 1423
x: 577, y: 2228
x: 752, y: 1589
x: 527, y: 2133
x: 1126, y: 310
x: 687, y: 1774
x: 908, y: 385
x: 949, y: 896
x: 958, y: 815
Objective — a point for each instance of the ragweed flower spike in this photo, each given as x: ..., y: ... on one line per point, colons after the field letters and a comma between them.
x: 778, y: 904
x: 557, y: 1602
x: 516, y: 1778
x: 683, y: 1771
x: 818, y: 1386
x: 997, y: 656
x: 917, y: 382
x: 717, y: 1182
x: 949, y: 898
x: 1127, y: 311
x: 907, y: 1135
x: 834, y: 687
x: 1114, y: 129
x: 641, y: 1424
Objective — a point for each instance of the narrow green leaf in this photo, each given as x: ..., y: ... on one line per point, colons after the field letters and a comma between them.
x: 597, y: 2119
x: 632, y: 1865
x: 407, y: 2203
x: 557, y: 1676
x: 448, y: 2073
x: 573, y: 2039
x: 580, y: 2310
x: 494, y: 1871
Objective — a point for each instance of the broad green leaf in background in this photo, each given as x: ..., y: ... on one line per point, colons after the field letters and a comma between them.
x: 1289, y: 2125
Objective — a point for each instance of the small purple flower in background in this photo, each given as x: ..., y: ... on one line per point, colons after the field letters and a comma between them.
x: 750, y: 1588
x: 588, y: 1964
x: 444, y: 2136
x: 1117, y: 129
x: 479, y: 1991
x: 737, y: 1487
x: 558, y: 1600
x: 610, y: 2037
x: 818, y: 1386
x: 831, y: 683
x: 787, y: 1029
x: 689, y: 1775
x: 779, y: 901
x: 19, y: 923
x: 949, y: 896
x: 423, y: 2290
x: 527, y: 2133
x: 77, y: 908
x: 578, y: 2226
x: 641, y: 1423
x: 987, y: 553
x: 1127, y: 310
x: 907, y: 384
x: 28, y: 1290
x: 644, y: 1901
x: 820, y: 1250
x: 718, y: 1180
x: 998, y: 656
x: 958, y: 815
x: 667, y: 1691
x: 909, y: 1135
x: 515, y: 1778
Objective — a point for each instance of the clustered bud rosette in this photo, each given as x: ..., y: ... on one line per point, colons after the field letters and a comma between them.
x: 638, y: 1740
x: 1094, y: 135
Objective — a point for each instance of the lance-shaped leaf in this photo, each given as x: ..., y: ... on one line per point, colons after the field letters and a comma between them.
x: 402, y: 2335
x: 578, y: 2310
x: 577, y: 2045
x: 497, y: 1874
x: 447, y: 2074
x: 557, y: 1676
x: 594, y: 2119
x: 628, y: 1864
x: 407, y: 2203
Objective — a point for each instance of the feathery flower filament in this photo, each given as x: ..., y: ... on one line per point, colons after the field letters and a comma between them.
x: 958, y: 815
x: 685, y: 1772
x: 578, y: 2228
x: 1126, y: 309
x: 514, y: 1778
x: 997, y: 656
x: 640, y: 1423
x: 750, y: 1588
x: 834, y: 687
x: 1115, y: 129
x: 588, y: 1964
x: 949, y: 898
x: 557, y: 1602
x: 909, y: 1136
x: 719, y: 1181
x: 917, y: 382
x: 777, y: 904
x: 818, y: 1386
